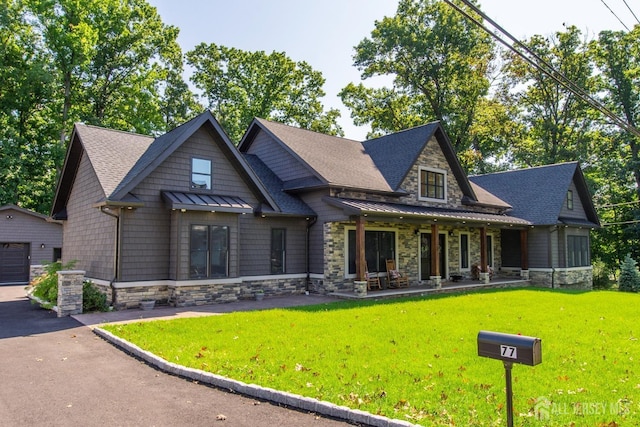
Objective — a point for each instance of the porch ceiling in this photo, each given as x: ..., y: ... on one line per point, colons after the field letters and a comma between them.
x: 401, y: 211
x: 206, y: 202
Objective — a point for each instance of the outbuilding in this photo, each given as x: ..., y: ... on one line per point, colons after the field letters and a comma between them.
x: 28, y: 240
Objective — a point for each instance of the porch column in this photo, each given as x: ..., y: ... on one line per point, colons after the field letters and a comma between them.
x: 524, y: 250
x: 435, y: 250
x: 483, y: 249
x: 360, y: 254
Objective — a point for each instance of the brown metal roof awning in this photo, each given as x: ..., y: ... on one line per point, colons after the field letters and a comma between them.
x: 366, y: 208
x: 206, y: 202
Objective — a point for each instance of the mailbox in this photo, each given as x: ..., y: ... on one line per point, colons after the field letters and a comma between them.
x: 510, y: 348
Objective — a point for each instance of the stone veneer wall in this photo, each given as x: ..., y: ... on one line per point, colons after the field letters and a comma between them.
x: 408, y: 252
x: 36, y: 271
x: 124, y: 296
x: 564, y: 278
x: 130, y: 297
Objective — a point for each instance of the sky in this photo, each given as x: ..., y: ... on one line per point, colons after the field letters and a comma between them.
x: 324, y: 33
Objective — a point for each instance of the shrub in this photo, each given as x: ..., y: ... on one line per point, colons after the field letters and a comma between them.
x: 46, y: 285
x: 629, y: 280
x: 46, y: 289
x: 601, y: 276
x: 92, y: 298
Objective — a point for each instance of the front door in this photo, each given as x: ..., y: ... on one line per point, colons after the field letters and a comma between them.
x: 425, y: 255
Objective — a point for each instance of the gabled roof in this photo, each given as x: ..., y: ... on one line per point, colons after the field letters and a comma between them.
x: 288, y: 204
x: 334, y: 161
x: 102, y: 146
x: 11, y: 207
x: 122, y: 160
x: 538, y: 194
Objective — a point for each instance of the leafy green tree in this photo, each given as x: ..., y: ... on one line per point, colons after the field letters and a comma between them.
x: 240, y: 85
x: 557, y: 123
x: 617, y: 55
x: 27, y: 156
x: 440, y: 62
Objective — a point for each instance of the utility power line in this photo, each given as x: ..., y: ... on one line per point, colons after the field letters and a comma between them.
x: 629, y: 7
x: 534, y: 60
x: 614, y: 14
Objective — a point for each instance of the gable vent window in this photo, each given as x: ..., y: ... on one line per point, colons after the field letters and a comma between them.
x: 569, y: 199
x: 201, y: 174
x: 433, y: 184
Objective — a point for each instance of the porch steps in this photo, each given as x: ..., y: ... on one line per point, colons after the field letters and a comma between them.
x: 422, y: 290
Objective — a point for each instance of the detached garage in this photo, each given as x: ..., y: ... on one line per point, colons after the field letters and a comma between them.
x: 28, y: 240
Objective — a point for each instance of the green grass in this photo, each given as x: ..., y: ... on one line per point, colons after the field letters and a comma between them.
x: 417, y: 359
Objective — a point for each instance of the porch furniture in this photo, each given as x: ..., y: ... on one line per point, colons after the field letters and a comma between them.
x: 373, y: 280
x: 456, y: 277
x: 395, y: 278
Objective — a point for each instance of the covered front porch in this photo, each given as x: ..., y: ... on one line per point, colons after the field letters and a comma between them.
x: 433, y: 247
x: 447, y: 286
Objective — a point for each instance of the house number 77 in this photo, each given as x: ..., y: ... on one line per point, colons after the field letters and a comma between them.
x: 508, y: 351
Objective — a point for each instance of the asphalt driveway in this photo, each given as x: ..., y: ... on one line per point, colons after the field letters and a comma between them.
x: 57, y: 372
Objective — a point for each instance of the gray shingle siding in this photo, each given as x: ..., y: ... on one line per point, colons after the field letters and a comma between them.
x: 255, y: 245
x: 24, y: 227
x: 146, y: 238
x: 88, y: 234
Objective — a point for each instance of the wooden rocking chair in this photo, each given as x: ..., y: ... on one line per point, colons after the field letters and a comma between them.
x: 395, y: 279
x: 373, y: 281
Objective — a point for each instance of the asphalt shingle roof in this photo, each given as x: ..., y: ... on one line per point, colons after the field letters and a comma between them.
x: 337, y: 161
x: 536, y: 194
x: 112, y: 153
x: 396, y: 153
x: 287, y: 203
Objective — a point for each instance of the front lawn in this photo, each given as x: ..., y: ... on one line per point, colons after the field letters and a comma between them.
x: 417, y: 359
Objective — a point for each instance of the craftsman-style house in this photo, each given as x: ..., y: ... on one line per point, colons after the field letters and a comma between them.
x: 188, y: 218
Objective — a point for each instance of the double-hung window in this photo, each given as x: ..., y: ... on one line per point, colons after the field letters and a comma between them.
x: 278, y: 250
x: 200, y: 174
x: 209, y: 251
x: 570, y: 200
x: 578, y: 251
x: 433, y: 184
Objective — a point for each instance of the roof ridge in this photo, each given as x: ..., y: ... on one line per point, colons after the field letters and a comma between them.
x: 522, y: 169
x: 113, y: 130
x: 400, y: 132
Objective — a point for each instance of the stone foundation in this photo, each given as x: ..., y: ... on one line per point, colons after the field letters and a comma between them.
x: 201, y: 292
x: 35, y: 271
x: 563, y: 278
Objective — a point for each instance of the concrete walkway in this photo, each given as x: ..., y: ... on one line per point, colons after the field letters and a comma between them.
x: 164, y: 312
x: 57, y: 372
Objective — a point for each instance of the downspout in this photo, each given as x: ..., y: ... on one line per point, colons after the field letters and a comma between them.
x: 307, y: 245
x: 116, y: 250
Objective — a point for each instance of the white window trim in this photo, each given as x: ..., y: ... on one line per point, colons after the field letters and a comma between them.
x: 436, y: 170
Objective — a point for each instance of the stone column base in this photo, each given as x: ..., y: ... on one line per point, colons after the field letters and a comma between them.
x: 360, y: 288
x: 484, y: 277
x: 70, y: 292
x: 524, y: 274
x: 436, y: 281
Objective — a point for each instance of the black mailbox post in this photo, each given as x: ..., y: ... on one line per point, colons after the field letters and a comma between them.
x: 510, y: 349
